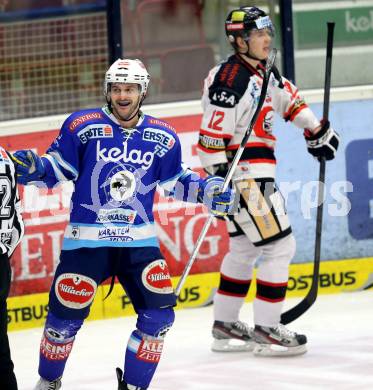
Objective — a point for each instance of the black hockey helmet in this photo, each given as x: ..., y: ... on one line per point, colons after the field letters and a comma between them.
x: 241, y: 21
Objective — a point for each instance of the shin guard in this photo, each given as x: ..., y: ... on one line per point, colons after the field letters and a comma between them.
x: 56, y: 345
x: 145, y: 346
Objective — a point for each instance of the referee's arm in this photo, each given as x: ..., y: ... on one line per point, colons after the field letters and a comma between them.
x: 11, y: 223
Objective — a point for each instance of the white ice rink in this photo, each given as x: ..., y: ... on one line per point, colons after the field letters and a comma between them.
x: 340, y: 353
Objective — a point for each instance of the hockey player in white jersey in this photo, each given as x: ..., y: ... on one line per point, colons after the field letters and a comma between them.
x: 261, y: 227
x: 115, y: 156
x: 11, y: 232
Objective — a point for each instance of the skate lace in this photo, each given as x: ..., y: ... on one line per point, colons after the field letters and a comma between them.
x: 242, y: 326
x: 53, y: 385
x: 284, y: 332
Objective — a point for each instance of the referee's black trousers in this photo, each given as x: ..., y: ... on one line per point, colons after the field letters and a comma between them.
x: 7, y: 377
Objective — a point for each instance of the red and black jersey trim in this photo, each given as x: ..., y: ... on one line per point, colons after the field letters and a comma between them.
x: 254, y: 153
x: 298, y: 105
x: 211, y: 142
x: 233, y: 287
x: 270, y: 292
x: 230, y: 82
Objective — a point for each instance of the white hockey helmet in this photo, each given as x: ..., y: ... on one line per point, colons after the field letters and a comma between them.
x: 127, y: 71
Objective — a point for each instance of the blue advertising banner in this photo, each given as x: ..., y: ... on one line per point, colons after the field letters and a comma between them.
x: 348, y: 208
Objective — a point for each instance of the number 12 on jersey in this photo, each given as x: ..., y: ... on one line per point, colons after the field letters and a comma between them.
x: 216, y: 119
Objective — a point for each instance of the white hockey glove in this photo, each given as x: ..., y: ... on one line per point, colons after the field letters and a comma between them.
x: 29, y: 166
x: 324, y: 143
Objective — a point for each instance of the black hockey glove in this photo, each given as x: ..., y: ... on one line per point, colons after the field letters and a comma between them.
x: 324, y: 143
x: 217, y: 169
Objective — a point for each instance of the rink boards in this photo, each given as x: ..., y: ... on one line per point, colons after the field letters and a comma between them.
x: 335, y: 277
x: 347, y: 226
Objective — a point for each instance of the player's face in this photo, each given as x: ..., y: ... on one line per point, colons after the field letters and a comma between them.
x: 260, y: 43
x: 125, y: 99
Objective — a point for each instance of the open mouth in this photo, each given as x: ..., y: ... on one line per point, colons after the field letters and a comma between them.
x: 123, y: 104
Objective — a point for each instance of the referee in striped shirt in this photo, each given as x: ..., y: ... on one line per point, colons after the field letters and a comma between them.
x: 11, y: 232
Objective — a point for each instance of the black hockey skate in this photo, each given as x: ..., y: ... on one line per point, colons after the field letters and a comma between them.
x: 278, y: 341
x: 123, y: 385
x: 232, y: 337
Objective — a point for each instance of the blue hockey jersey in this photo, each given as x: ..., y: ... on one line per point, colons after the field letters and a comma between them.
x: 115, y: 172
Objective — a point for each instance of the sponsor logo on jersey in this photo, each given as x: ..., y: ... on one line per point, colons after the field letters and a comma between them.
x: 116, y: 215
x: 135, y: 156
x: 115, y: 234
x: 75, y: 291
x: 150, y: 350
x: 122, y: 186
x: 94, y: 132
x: 223, y: 99
x: 161, y: 123
x: 156, y: 277
x: 55, y: 351
x: 84, y: 118
x: 159, y: 136
x: 211, y: 143
x: 75, y: 232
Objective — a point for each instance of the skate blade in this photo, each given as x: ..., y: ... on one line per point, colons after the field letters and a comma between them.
x: 278, y: 350
x: 232, y: 345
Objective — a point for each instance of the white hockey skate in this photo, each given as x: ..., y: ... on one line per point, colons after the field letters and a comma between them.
x: 232, y: 337
x: 44, y: 384
x: 278, y: 341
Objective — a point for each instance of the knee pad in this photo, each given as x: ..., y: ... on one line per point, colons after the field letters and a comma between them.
x: 281, y: 251
x: 155, y: 322
x: 241, y: 250
x: 276, y: 260
x: 239, y: 261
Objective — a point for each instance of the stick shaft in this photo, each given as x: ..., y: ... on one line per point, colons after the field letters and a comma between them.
x: 230, y: 172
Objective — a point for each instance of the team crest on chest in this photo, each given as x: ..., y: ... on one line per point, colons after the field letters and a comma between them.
x: 121, y: 185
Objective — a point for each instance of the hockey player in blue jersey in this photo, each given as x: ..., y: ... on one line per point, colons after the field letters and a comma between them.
x: 116, y: 157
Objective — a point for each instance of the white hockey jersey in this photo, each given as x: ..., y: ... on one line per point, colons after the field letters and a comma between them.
x: 11, y: 223
x: 231, y: 94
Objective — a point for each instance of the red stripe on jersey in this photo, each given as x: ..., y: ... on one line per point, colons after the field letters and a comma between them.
x: 240, y: 281
x: 250, y: 145
x: 214, y: 135
x: 265, y: 283
x: 296, y: 112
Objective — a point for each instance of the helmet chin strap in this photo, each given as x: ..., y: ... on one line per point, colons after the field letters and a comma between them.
x: 248, y: 52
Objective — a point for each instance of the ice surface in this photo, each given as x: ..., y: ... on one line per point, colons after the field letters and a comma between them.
x: 340, y: 352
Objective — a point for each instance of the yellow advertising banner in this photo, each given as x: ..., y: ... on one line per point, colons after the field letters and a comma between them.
x: 28, y: 311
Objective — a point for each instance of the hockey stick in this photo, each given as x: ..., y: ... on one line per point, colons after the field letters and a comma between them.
x: 310, y: 298
x: 232, y: 168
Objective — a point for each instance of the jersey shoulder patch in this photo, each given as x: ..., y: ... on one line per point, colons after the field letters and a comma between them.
x: 159, y: 132
x: 84, y: 117
x: 154, y: 122
x: 230, y: 83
